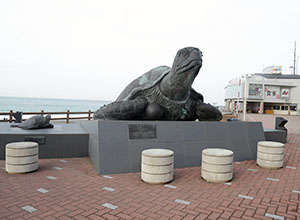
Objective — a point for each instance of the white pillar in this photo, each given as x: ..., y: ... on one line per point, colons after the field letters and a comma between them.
x: 227, y: 106
x: 245, y: 99
x: 261, y: 108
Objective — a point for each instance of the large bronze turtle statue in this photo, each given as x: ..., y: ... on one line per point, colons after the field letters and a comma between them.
x: 164, y: 93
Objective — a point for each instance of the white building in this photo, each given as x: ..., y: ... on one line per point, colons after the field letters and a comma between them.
x: 270, y: 92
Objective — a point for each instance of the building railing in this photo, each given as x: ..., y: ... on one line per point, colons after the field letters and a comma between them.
x: 68, y: 115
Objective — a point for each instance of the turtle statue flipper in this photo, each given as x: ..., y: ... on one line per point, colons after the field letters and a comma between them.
x: 207, y: 112
x: 122, y: 110
x: 137, y: 109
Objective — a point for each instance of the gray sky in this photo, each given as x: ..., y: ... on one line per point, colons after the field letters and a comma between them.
x: 93, y: 49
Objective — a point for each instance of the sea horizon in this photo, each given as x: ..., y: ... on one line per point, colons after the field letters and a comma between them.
x: 36, y: 104
x: 22, y: 97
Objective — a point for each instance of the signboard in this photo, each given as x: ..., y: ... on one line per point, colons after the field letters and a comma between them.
x: 272, y: 92
x: 273, y: 69
x: 276, y: 69
x: 285, y: 93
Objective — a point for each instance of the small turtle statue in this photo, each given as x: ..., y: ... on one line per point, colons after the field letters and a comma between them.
x: 164, y: 93
x: 35, y: 122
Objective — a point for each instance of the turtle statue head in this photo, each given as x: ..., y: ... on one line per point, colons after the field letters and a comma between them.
x: 185, y: 68
x: 187, y: 58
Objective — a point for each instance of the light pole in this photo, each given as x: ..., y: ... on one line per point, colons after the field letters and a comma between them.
x: 294, y: 68
x: 297, y: 64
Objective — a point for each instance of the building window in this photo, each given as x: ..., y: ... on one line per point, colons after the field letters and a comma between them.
x: 255, y: 90
x: 293, y: 107
x: 284, y: 108
x: 276, y: 107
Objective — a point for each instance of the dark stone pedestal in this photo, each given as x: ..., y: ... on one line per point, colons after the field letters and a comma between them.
x: 116, y: 146
x: 64, y: 140
x: 276, y: 135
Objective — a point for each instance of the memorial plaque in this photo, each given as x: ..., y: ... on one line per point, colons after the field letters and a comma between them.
x: 142, y: 131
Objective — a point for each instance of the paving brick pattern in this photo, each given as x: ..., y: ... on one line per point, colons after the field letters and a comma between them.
x: 78, y: 193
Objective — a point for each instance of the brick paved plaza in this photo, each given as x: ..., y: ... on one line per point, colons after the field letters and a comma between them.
x: 71, y: 189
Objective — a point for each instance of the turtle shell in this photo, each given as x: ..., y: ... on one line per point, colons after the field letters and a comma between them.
x: 145, y: 81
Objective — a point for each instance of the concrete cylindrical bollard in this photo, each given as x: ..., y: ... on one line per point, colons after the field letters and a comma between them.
x: 21, y: 157
x: 157, y: 166
x: 270, y: 154
x: 217, y: 165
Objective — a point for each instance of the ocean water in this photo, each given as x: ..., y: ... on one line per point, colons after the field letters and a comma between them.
x: 48, y: 105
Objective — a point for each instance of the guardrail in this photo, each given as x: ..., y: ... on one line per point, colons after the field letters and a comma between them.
x: 42, y: 112
x: 68, y: 114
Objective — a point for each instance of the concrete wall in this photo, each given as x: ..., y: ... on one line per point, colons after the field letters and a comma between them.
x: 62, y: 141
x: 116, y: 146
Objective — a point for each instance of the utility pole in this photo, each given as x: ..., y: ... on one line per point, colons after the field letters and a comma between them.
x: 294, y: 67
x: 245, y: 98
x: 238, y: 100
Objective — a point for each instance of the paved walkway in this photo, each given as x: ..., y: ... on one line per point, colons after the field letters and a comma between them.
x: 71, y: 189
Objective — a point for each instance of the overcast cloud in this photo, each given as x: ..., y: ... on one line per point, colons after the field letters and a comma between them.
x: 93, y: 49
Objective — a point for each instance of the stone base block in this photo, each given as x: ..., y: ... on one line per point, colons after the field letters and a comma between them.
x: 275, y: 135
x: 112, y: 154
